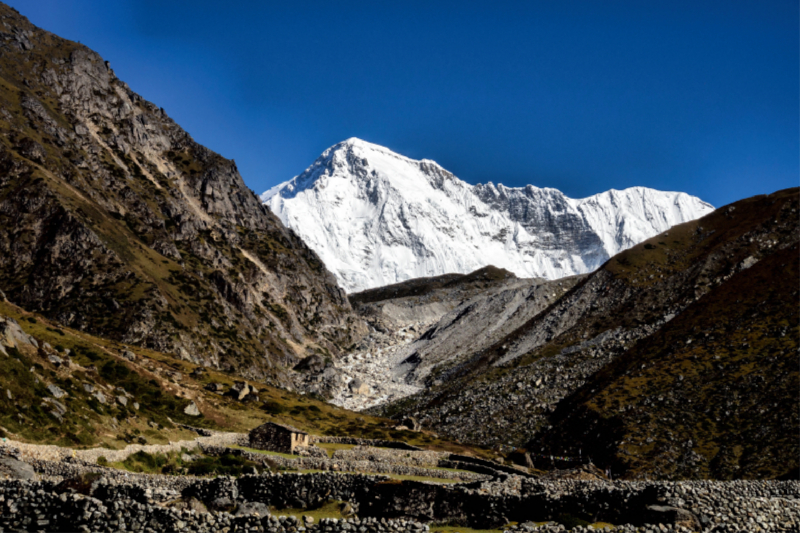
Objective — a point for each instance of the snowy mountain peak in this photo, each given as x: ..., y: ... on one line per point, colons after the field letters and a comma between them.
x: 376, y: 217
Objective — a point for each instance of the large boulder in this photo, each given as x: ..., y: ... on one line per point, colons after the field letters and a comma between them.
x: 56, y: 409
x: 12, y: 336
x: 192, y: 410
x: 357, y: 386
x: 32, y: 150
x: 56, y: 391
x: 411, y: 423
x: 241, y: 389
x: 11, y: 468
x: 215, y: 387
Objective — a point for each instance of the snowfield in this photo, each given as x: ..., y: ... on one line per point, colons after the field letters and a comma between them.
x: 377, y: 218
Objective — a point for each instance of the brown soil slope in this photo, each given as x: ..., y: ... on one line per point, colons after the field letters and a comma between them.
x: 714, y: 393
x: 509, y: 393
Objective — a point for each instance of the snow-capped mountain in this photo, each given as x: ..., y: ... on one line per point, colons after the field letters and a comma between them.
x: 376, y: 218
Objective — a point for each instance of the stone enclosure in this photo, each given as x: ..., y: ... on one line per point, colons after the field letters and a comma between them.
x: 119, y: 502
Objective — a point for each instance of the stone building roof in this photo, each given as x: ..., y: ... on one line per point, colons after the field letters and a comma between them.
x: 284, y: 426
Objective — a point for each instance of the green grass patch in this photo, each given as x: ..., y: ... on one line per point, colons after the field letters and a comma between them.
x: 265, y: 452
x: 460, y: 529
x: 225, y: 465
x: 331, y: 447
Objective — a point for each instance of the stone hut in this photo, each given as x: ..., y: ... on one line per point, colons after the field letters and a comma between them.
x: 278, y: 438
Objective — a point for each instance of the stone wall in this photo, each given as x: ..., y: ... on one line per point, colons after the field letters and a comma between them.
x: 472, y: 467
x: 135, y: 502
x: 40, y: 506
x: 48, y: 452
x: 336, y: 465
x: 398, y: 445
x: 285, y: 490
x: 387, y: 455
x: 710, y: 506
x: 367, y: 460
x: 466, y: 459
x: 487, y: 502
x: 311, y: 451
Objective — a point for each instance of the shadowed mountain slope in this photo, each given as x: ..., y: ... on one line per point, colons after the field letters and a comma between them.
x: 114, y: 221
x: 713, y: 393
x: 673, y: 287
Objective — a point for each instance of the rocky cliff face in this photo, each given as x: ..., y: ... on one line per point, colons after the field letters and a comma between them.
x: 378, y: 218
x: 677, y: 358
x: 114, y: 221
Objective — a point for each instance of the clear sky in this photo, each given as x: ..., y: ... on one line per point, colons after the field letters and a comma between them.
x: 583, y: 96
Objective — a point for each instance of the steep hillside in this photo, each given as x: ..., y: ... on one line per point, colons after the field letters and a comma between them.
x: 713, y: 393
x: 64, y: 386
x: 377, y: 218
x: 654, y: 302
x: 114, y: 221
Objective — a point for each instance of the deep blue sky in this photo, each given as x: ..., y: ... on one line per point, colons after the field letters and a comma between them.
x: 581, y: 96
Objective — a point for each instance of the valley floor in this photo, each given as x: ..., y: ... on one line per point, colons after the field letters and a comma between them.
x: 374, y: 366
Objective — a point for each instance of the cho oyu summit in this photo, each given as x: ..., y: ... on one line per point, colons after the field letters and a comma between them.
x: 376, y: 218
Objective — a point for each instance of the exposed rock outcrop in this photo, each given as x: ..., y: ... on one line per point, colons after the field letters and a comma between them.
x: 114, y: 221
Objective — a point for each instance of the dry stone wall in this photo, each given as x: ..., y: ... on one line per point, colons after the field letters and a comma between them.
x: 338, y: 465
x: 39, y: 506
x: 119, y: 502
x: 49, y: 452
x: 398, y: 445
x: 138, y: 502
x: 385, y: 455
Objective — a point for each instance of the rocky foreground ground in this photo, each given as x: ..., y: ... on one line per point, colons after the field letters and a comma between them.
x: 67, y: 496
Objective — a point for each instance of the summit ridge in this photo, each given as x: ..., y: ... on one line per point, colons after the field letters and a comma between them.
x: 376, y: 217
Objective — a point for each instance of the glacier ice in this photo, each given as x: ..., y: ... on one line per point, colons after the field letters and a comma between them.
x: 376, y: 218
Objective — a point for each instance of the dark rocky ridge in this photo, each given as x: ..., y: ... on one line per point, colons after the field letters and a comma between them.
x: 423, y: 300
x: 114, y: 221
x: 534, y: 209
x: 478, y: 280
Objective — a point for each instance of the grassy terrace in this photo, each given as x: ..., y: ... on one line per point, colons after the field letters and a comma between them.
x: 173, y: 463
x: 393, y: 476
x: 162, y: 386
x: 331, y: 447
x: 265, y: 452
